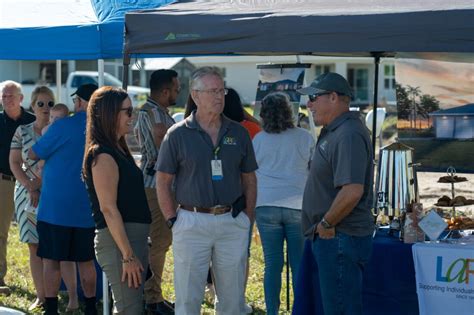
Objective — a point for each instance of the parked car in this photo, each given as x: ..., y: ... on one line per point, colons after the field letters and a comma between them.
x: 138, y: 94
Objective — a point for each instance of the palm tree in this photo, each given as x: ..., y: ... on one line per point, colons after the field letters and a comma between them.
x: 429, y: 104
x: 414, y: 92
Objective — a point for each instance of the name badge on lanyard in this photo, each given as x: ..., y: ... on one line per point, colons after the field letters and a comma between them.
x: 216, y: 166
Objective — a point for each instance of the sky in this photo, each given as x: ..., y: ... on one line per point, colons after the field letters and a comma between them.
x: 452, y: 83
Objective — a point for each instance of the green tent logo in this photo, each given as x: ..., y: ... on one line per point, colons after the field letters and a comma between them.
x: 171, y: 36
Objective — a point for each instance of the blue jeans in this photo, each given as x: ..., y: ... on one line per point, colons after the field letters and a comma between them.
x: 341, y: 262
x: 275, y: 224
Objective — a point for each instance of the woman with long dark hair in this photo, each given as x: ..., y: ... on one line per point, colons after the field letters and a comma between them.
x: 120, y: 209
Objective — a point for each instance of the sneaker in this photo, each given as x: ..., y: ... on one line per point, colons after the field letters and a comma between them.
x: 4, y: 289
x: 36, y: 306
x: 247, y: 309
x: 162, y: 308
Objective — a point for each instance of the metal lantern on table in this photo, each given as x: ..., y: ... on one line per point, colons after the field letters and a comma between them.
x: 396, y: 184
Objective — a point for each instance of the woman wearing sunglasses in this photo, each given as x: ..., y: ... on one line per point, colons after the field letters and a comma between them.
x: 27, y: 194
x: 117, y: 194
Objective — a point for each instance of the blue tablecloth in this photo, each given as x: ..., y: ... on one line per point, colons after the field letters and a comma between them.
x: 389, y: 280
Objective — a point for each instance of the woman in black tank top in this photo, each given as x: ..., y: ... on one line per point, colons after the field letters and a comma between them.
x: 117, y: 195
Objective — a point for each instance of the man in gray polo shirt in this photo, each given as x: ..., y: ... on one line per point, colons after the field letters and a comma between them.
x: 338, y: 195
x: 211, y: 161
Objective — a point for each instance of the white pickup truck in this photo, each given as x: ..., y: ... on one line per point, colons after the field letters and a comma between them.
x: 75, y: 79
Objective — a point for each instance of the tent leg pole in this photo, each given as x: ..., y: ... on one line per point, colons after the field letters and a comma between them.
x: 376, y: 56
x: 126, y: 64
x: 376, y: 92
x: 59, y: 80
x: 105, y: 295
x: 100, y: 68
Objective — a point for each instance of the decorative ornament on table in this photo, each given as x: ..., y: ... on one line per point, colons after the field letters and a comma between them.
x: 412, y: 232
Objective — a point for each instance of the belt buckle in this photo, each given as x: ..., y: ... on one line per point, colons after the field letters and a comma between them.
x: 215, y: 209
x: 8, y: 177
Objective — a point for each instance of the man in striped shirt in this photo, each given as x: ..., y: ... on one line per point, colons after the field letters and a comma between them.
x: 153, y: 122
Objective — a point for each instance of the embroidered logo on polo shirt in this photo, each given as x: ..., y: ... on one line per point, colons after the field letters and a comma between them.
x: 323, y: 146
x: 229, y: 141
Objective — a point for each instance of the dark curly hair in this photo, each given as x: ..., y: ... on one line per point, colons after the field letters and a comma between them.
x: 276, y: 113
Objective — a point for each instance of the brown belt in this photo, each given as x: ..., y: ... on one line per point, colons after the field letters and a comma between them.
x: 219, y: 209
x: 7, y: 177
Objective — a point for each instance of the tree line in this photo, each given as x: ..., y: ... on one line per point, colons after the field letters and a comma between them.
x: 413, y: 105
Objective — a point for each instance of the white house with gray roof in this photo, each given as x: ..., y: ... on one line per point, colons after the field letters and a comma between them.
x: 454, y: 123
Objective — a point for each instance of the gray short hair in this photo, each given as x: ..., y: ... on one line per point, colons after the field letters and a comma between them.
x: 10, y: 83
x: 198, y: 74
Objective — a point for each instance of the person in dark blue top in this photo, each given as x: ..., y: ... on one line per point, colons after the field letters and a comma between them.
x: 117, y: 194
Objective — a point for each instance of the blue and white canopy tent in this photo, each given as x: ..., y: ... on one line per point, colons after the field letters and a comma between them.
x: 65, y: 29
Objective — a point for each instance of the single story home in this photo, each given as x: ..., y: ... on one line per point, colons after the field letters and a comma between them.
x: 454, y: 123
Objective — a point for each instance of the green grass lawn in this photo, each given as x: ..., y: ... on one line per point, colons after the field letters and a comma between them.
x: 23, y: 294
x: 440, y: 154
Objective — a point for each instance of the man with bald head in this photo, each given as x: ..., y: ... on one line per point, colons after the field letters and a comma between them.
x: 12, y: 116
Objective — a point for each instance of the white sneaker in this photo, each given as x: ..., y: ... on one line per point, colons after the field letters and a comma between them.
x: 247, y: 309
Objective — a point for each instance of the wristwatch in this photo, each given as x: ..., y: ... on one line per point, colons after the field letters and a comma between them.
x: 170, y: 222
x: 326, y: 224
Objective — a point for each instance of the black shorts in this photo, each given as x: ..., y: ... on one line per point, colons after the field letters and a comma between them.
x: 65, y: 243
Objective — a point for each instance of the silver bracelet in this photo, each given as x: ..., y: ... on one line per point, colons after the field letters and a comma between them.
x: 128, y: 260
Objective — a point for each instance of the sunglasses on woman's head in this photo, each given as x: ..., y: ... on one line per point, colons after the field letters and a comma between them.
x: 128, y: 111
x: 41, y: 103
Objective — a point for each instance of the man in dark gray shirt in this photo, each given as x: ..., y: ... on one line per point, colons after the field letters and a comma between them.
x: 338, y: 195
x: 210, y: 161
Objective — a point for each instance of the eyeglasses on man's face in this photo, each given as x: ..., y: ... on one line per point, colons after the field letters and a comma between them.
x: 215, y: 92
x: 76, y: 99
x: 41, y: 103
x: 314, y: 97
x: 128, y: 111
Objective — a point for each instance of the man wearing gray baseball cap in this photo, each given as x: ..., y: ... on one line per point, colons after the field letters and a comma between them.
x: 338, y: 195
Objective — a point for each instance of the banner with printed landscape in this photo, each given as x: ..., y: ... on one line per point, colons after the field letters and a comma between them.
x: 435, y: 104
x: 286, y: 78
x: 444, y: 278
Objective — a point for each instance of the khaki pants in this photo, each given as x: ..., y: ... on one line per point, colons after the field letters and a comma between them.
x: 161, y: 238
x: 201, y: 238
x: 127, y: 301
x: 6, y: 214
